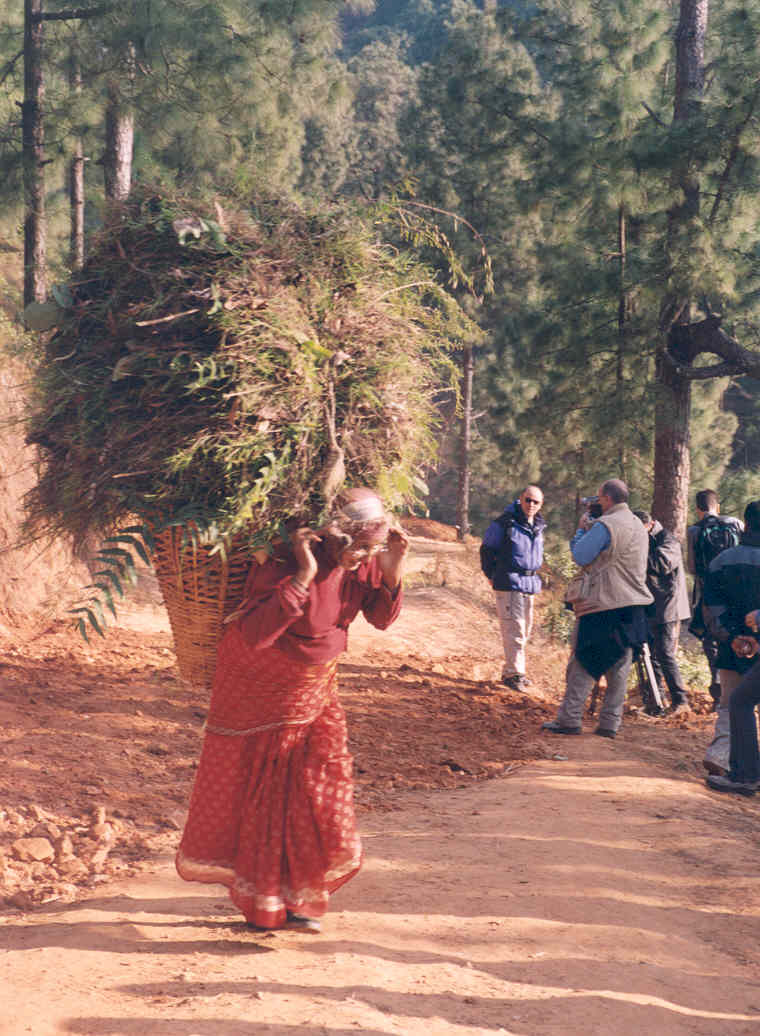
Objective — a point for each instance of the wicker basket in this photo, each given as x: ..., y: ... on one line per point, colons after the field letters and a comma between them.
x: 199, y: 589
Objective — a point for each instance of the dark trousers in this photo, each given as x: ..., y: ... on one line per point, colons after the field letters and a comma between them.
x: 709, y: 644
x: 710, y: 648
x: 663, y: 637
x: 745, y: 758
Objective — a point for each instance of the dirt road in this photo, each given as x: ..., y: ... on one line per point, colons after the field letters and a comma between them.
x: 579, y: 895
x: 598, y: 888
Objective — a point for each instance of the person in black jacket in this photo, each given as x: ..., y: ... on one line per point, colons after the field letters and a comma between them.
x: 743, y: 777
x: 511, y: 554
x: 703, y: 543
x: 666, y: 581
x: 732, y: 592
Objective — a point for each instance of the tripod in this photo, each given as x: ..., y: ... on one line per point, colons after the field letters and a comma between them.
x: 649, y: 689
x: 646, y: 683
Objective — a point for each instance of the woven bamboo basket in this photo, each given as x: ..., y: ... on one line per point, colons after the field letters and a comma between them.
x: 200, y: 590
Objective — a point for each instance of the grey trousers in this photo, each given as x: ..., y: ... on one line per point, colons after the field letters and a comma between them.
x: 719, y: 749
x: 578, y: 685
x: 515, y: 611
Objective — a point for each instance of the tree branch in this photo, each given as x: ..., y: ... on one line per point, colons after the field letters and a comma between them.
x: 707, y: 336
x: 10, y: 65
x: 655, y: 116
x: 73, y: 15
x: 733, y: 155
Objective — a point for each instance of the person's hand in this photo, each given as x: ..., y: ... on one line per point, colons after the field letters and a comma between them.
x: 751, y: 620
x: 301, y: 541
x: 586, y: 521
x: 744, y: 647
x: 392, y: 559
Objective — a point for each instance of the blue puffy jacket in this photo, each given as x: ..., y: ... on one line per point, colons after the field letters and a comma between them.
x: 512, y: 551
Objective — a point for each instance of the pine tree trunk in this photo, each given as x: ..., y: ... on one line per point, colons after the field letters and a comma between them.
x: 623, y: 302
x: 76, y: 207
x: 33, y: 147
x: 120, y: 131
x: 672, y: 462
x: 463, y: 497
x: 76, y: 189
x: 673, y: 396
x: 689, y: 87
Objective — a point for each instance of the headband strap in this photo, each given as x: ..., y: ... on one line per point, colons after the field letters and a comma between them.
x: 368, y: 509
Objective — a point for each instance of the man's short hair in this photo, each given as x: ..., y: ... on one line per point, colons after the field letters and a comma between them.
x: 707, y: 500
x: 643, y: 516
x: 752, y: 516
x: 533, y: 485
x: 616, y: 490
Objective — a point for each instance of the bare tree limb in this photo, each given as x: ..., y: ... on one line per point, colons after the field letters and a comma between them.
x: 655, y: 116
x: 10, y: 65
x: 72, y: 15
x: 707, y: 336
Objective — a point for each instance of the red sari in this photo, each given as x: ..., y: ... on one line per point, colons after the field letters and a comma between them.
x: 271, y: 814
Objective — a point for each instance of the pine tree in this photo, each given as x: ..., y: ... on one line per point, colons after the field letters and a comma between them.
x: 709, y: 246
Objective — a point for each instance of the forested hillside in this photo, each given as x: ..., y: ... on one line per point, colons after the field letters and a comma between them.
x: 597, y: 160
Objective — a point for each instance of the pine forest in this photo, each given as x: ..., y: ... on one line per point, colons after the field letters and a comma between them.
x: 445, y: 247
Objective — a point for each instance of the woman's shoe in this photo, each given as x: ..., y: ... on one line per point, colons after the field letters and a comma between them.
x: 297, y: 922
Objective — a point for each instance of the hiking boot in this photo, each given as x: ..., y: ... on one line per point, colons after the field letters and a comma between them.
x: 680, y: 708
x: 605, y: 732
x: 724, y: 783
x: 557, y: 728
x: 654, y: 710
x: 714, y: 769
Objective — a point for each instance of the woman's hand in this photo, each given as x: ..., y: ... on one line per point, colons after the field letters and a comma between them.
x: 751, y: 620
x: 392, y: 559
x: 301, y: 541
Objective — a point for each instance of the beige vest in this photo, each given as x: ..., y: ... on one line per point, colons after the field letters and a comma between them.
x: 618, y: 576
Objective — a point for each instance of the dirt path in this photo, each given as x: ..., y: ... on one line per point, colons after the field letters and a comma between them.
x: 584, y: 895
x: 597, y: 888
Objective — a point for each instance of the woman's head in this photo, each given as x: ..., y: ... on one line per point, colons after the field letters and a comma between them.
x: 358, y: 528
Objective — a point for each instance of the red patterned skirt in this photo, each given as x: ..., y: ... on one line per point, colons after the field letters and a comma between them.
x: 271, y: 813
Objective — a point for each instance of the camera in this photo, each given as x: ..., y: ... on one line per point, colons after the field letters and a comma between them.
x: 592, y: 505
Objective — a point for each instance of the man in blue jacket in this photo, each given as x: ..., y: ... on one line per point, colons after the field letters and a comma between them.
x: 511, y: 554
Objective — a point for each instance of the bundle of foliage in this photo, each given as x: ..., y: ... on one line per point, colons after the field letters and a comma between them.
x: 227, y: 369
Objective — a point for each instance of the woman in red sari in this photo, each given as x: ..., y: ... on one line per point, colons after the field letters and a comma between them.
x: 271, y: 814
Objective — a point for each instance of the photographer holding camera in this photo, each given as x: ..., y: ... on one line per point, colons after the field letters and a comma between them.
x: 666, y: 580
x: 609, y: 598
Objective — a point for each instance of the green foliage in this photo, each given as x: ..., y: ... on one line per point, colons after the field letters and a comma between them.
x: 541, y: 125
x: 114, y: 566
x: 558, y: 620
x: 207, y: 375
x: 549, y: 128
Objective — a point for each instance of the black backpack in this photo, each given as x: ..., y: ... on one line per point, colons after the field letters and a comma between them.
x: 490, y: 557
x: 714, y: 536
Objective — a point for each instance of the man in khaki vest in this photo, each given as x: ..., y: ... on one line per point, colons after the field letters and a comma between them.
x: 612, y: 551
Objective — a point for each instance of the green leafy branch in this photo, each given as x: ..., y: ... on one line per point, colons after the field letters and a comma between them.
x: 116, y: 561
x: 423, y: 231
